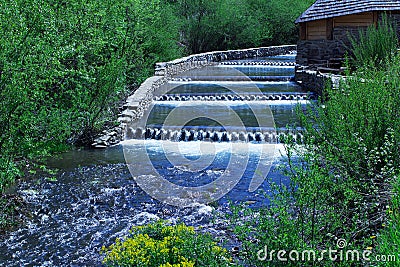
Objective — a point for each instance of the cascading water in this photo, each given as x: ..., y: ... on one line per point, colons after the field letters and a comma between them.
x: 94, y: 199
x: 229, y: 97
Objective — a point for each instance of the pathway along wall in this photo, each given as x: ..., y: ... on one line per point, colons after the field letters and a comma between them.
x: 137, y: 103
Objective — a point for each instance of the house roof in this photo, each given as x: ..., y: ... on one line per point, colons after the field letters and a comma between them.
x: 323, y: 9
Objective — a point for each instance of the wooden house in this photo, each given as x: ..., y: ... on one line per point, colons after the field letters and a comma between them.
x: 326, y: 25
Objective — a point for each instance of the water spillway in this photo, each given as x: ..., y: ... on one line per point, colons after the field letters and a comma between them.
x: 254, y: 99
x: 216, y: 123
x: 259, y: 114
x: 258, y: 63
x: 269, y: 78
x: 221, y: 103
x: 226, y: 87
x: 237, y: 97
x: 211, y: 134
x: 239, y: 73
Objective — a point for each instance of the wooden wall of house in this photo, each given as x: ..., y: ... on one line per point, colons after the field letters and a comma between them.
x: 316, y: 30
x: 358, y: 20
x: 322, y: 29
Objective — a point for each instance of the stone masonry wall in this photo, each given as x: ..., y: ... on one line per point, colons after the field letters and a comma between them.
x: 319, y: 52
x: 137, y: 103
x: 194, y: 61
x: 316, y: 52
x: 314, y: 81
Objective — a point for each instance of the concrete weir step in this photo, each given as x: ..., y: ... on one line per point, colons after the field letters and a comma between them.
x: 235, y: 78
x: 212, y: 135
x: 236, y: 97
x: 258, y: 63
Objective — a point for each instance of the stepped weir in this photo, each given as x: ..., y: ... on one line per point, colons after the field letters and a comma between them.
x: 230, y: 115
x: 245, y: 100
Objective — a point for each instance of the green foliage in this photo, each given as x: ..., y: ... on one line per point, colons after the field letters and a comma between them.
x: 389, y: 239
x: 341, y: 178
x: 158, y: 244
x: 216, y: 25
x: 279, y: 17
x: 64, y: 66
x: 233, y: 24
x: 8, y: 172
x: 373, y: 47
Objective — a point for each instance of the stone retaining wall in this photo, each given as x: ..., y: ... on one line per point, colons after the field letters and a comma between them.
x: 199, y: 60
x: 315, y: 81
x: 137, y: 103
x: 316, y: 52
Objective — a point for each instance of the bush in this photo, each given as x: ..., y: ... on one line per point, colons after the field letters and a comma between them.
x: 373, y: 47
x: 237, y: 24
x: 64, y: 67
x: 161, y: 245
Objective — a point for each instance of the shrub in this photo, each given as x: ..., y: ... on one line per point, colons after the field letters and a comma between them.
x: 64, y: 67
x: 373, y: 47
x: 237, y: 24
x: 162, y: 245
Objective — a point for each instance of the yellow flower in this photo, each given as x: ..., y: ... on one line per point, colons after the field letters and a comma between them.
x: 161, y: 247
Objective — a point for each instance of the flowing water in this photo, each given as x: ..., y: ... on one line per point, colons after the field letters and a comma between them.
x: 202, y: 126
